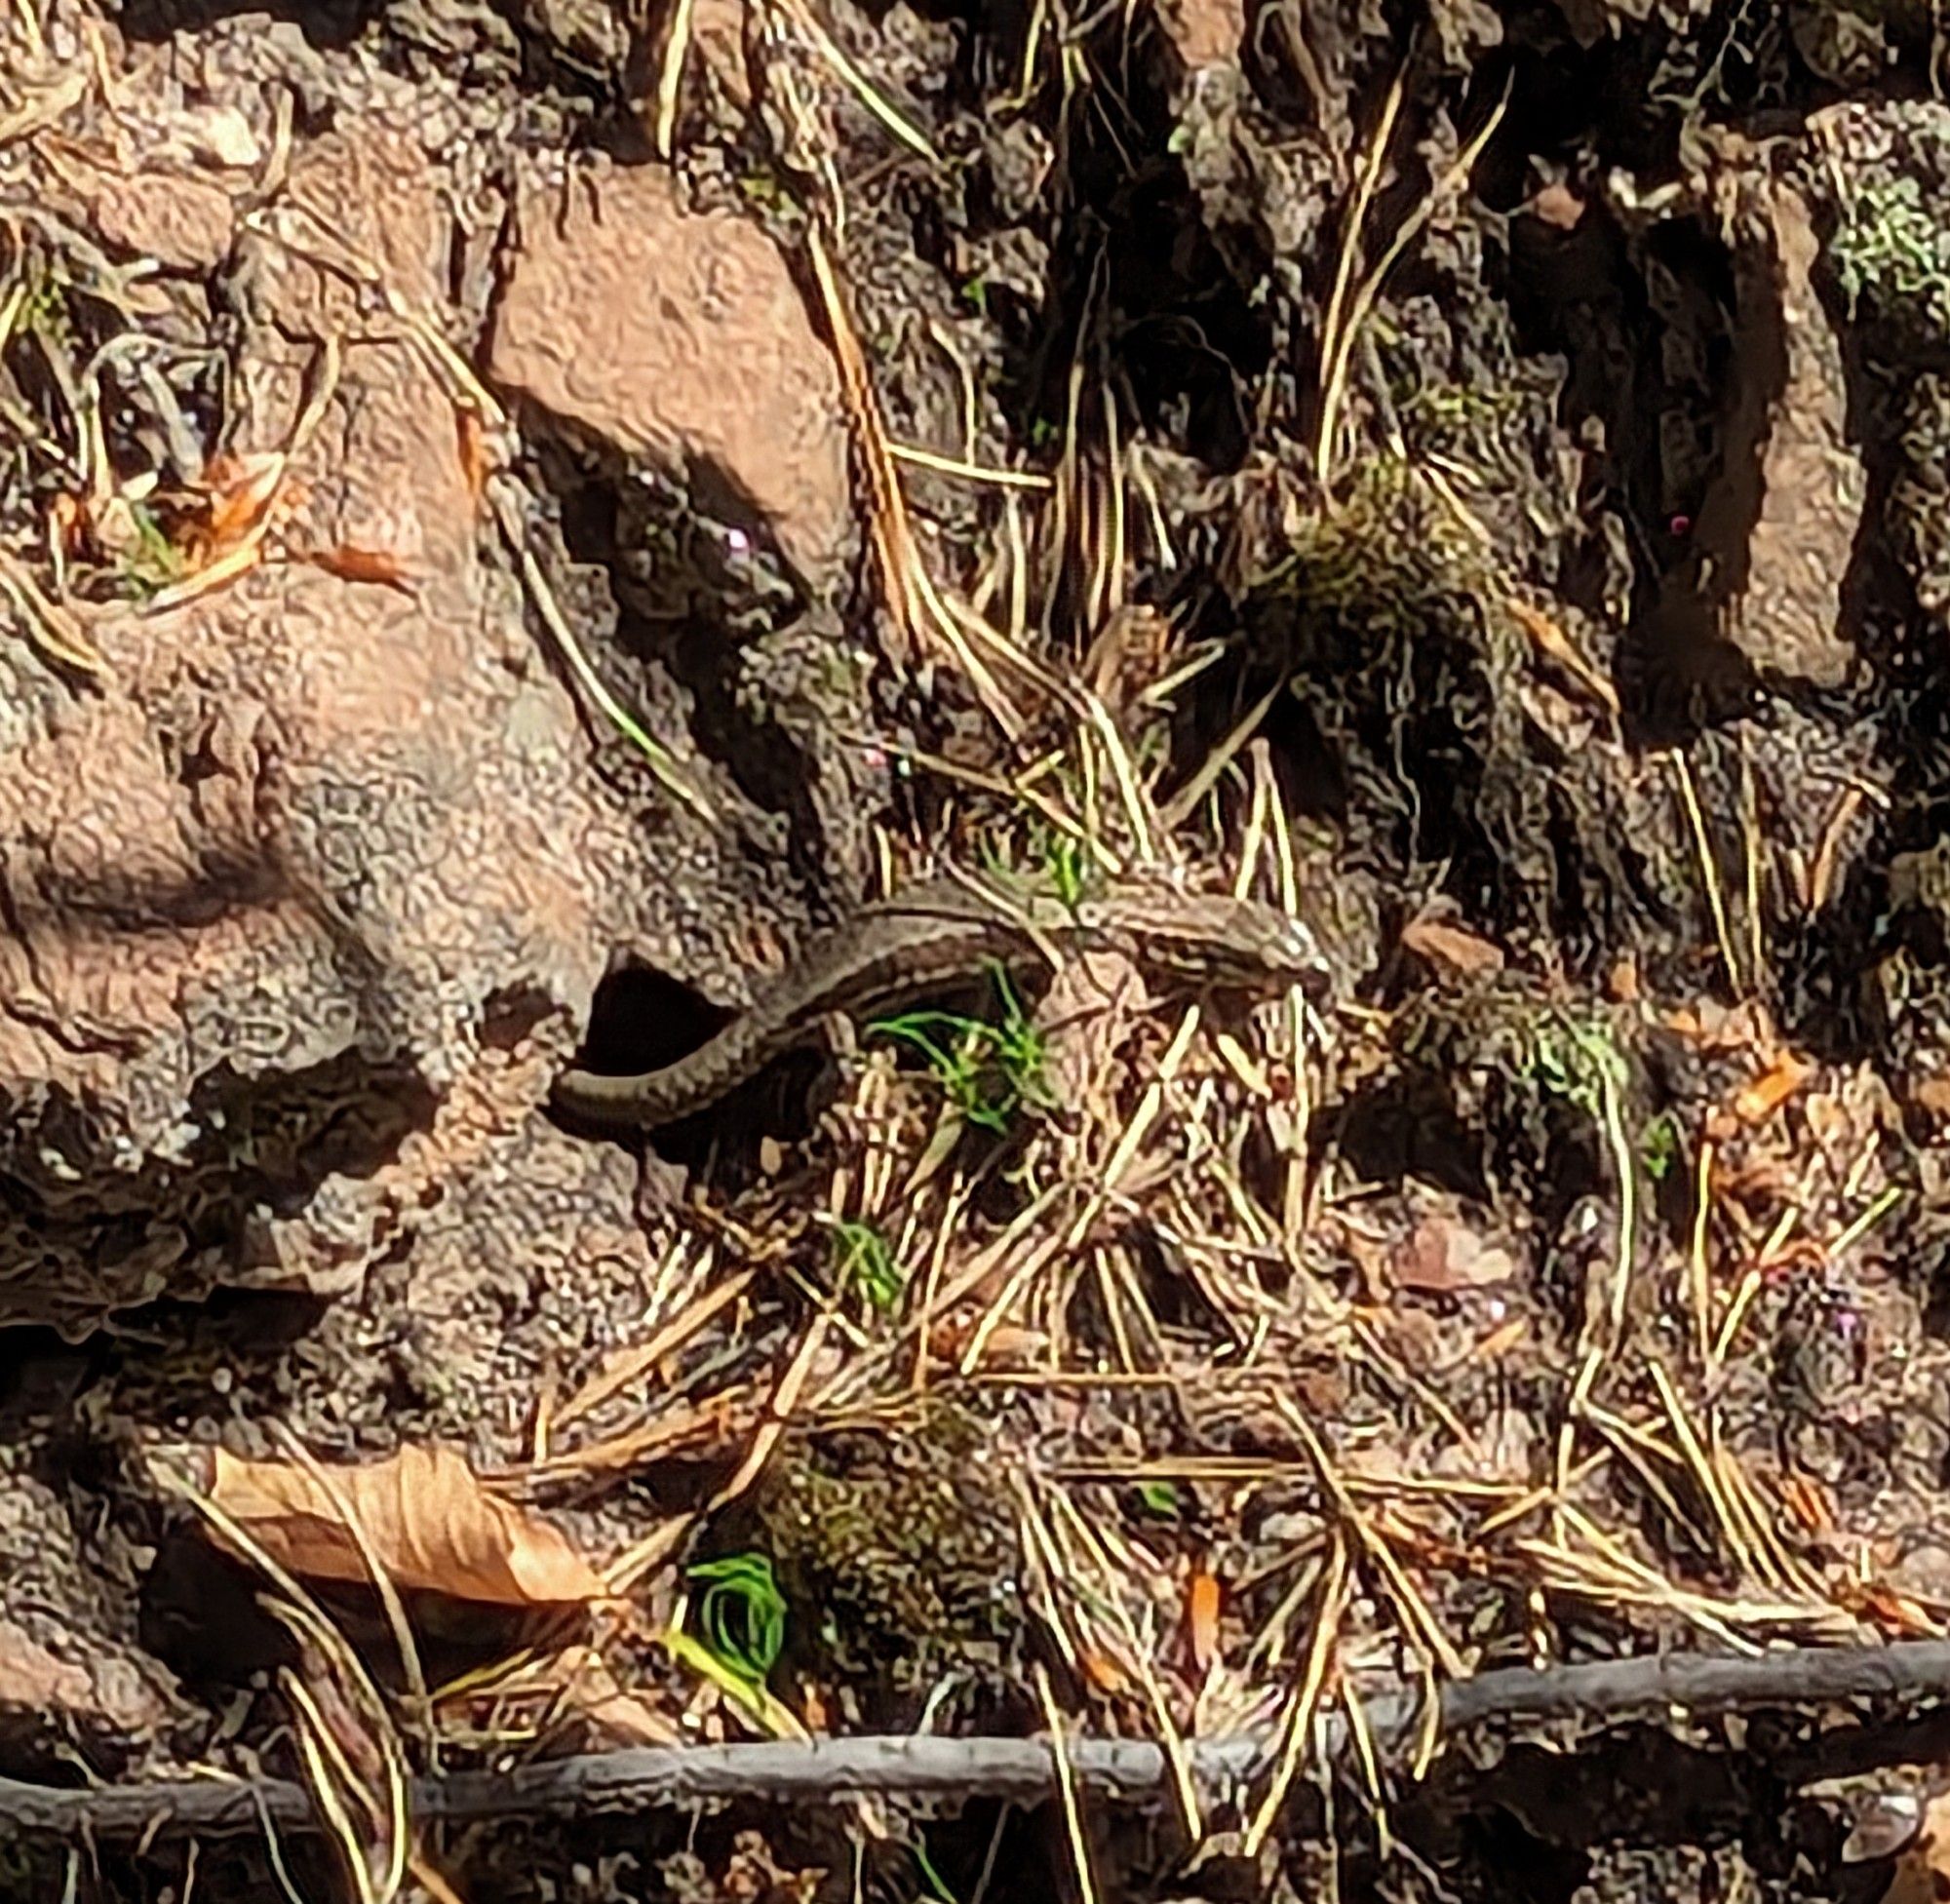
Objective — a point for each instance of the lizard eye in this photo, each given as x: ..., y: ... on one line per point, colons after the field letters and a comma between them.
x: 1304, y: 950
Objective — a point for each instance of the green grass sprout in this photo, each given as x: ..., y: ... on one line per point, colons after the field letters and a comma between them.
x: 986, y: 1071
x: 741, y: 1614
x: 864, y: 1260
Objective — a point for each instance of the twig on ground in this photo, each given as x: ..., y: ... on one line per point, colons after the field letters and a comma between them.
x: 1131, y: 1769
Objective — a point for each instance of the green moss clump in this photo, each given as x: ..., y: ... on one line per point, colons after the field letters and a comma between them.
x: 896, y: 1547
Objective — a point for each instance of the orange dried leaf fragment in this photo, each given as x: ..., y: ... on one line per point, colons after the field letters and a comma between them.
x: 1783, y: 1077
x: 1202, y: 1604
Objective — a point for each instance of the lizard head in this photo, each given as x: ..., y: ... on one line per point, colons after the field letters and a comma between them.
x: 1235, y: 944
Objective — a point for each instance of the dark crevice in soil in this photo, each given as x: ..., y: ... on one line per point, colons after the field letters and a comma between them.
x: 329, y: 25
x: 1137, y: 285
x: 644, y: 1020
x: 682, y: 610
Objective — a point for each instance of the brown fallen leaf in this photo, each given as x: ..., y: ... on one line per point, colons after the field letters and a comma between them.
x: 355, y: 565
x: 1783, y: 1079
x: 1922, y: 1873
x: 1462, y: 952
x: 237, y: 493
x: 1624, y: 985
x: 426, y: 1516
x: 1556, y: 204
x: 1442, y: 1256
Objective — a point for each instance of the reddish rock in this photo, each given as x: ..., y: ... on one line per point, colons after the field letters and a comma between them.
x: 678, y: 336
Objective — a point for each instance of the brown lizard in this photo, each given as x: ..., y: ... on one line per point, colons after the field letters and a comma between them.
x: 947, y: 929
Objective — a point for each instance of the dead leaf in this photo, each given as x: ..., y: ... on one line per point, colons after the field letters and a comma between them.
x: 427, y: 1517
x: 1552, y: 641
x: 1105, y: 1673
x: 1766, y: 1095
x: 1556, y: 204
x: 1202, y: 1600
x: 238, y: 494
x: 1922, y: 1875
x: 1442, y: 1256
x: 1894, y: 1612
x: 352, y: 564
x: 1462, y: 952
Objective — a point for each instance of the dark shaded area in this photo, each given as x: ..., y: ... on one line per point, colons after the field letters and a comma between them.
x: 325, y: 24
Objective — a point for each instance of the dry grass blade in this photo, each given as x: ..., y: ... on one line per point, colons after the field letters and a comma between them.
x: 1297, y: 1720
x: 382, y: 1583
x: 856, y: 82
x: 1108, y: 1579
x: 297, y: 1610
x: 625, y: 1452
x: 326, y: 248
x: 969, y: 472
x: 1416, y: 1613
x: 50, y: 627
x: 623, y: 1367
x: 1066, y: 1783
x: 671, y: 58
x: 662, y: 762
x: 1705, y: 1476
x: 333, y: 1782
x: 1338, y: 344
x: 911, y: 595
x: 629, y: 1566
x: 1709, y: 870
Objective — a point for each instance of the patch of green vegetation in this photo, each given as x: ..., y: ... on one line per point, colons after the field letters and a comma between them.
x: 761, y: 188
x: 1069, y: 863
x: 1065, y: 867
x: 741, y: 1614
x: 1574, y: 1059
x: 1385, y: 558
x: 864, y: 1260
x: 1658, y: 1146
x: 1457, y: 416
x: 1891, y: 251
x: 896, y: 1547
x: 986, y: 1071
x: 935, y: 1881
x: 1161, y: 1498
x: 44, y: 310
x: 155, y: 562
